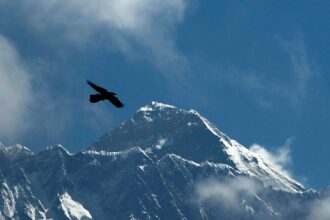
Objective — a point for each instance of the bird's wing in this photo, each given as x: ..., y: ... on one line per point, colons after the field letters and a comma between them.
x: 97, y: 88
x: 116, y: 102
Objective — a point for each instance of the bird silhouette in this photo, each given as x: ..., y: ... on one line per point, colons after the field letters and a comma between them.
x: 104, y: 95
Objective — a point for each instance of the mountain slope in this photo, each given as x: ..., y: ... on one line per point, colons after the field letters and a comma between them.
x: 163, y: 163
x: 165, y: 129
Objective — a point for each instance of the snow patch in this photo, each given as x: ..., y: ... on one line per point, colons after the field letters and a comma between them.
x: 34, y: 213
x: 160, y: 143
x: 154, y: 197
x: 142, y: 167
x: 145, y: 109
x: 59, y: 146
x: 154, y: 105
x: 190, y: 124
x: 177, y: 157
x: 103, y: 153
x: 161, y: 105
x: 9, y: 201
x: 117, y: 154
x: 147, y: 118
x: 132, y: 217
x: 16, y: 150
x: 72, y: 209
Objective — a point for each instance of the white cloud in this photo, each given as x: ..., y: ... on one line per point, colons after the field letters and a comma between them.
x: 280, y: 158
x: 301, y: 69
x: 27, y: 105
x: 138, y: 28
x: 227, y: 193
x: 320, y: 210
x: 15, y: 91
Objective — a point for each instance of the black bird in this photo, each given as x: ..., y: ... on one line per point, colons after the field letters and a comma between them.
x: 104, y: 95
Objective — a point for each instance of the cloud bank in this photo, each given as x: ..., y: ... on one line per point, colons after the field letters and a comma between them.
x: 227, y: 193
x: 320, y: 210
x: 15, y: 91
x: 141, y: 29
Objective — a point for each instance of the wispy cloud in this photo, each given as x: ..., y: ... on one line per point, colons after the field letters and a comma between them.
x: 29, y: 107
x: 141, y: 29
x: 301, y: 69
x: 15, y: 91
x: 25, y: 105
x: 280, y: 158
x: 294, y: 90
x: 320, y: 209
x: 227, y: 193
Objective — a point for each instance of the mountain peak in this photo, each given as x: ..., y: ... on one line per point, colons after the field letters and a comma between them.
x: 153, y: 123
x: 58, y: 149
x: 156, y: 106
x: 16, y: 151
x: 163, y: 129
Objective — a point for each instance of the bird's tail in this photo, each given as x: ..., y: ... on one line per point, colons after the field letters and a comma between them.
x: 95, y: 98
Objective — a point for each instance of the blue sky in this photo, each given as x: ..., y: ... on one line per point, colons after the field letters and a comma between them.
x: 257, y: 69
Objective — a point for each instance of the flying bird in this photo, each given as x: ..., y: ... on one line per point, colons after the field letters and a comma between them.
x: 104, y: 95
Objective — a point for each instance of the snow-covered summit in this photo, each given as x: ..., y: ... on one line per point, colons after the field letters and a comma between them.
x: 158, y: 125
x: 160, y: 110
x: 155, y: 105
x: 164, y: 129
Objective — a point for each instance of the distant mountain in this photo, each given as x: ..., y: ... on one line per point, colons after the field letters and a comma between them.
x: 162, y: 163
x: 12, y: 153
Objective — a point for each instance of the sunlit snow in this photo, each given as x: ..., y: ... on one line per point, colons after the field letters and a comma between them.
x: 72, y: 209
